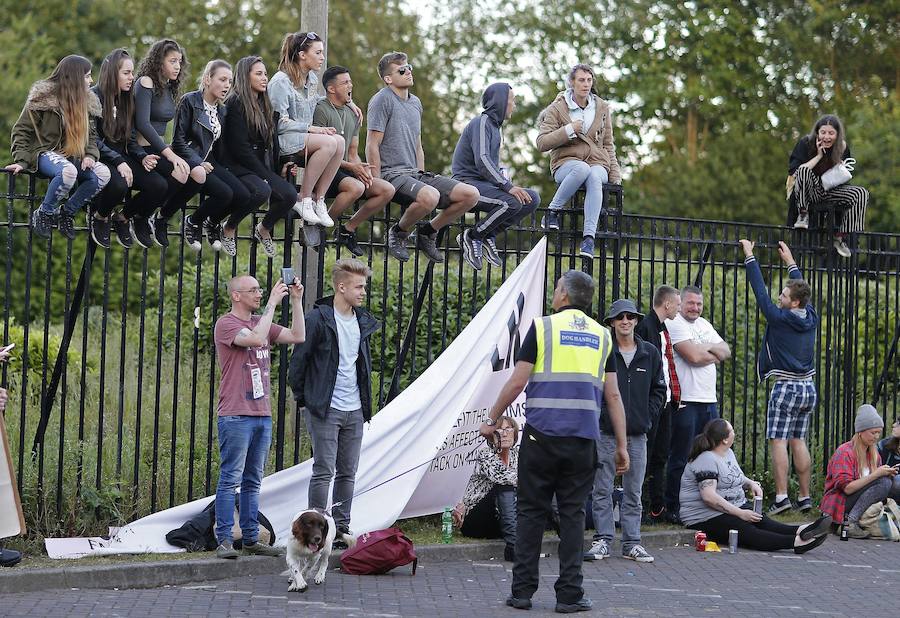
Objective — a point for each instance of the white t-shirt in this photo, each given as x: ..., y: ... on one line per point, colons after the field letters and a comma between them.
x: 346, y: 386
x: 698, y: 384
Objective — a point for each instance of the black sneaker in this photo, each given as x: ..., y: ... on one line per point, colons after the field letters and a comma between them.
x: 123, y: 232
x: 396, y: 243
x: 348, y: 239
x: 804, y: 505
x: 9, y: 557
x: 584, y: 605
x: 213, y: 233
x: 780, y: 507
x: 159, y: 227
x: 67, y: 225
x: 471, y: 249
x: 192, y: 234
x: 141, y: 231
x: 100, y: 231
x: 42, y: 223
x: 550, y: 221
x: 490, y: 252
x: 428, y: 244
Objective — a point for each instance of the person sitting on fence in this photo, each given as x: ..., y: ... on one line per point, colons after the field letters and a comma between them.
x: 294, y: 94
x: 856, y: 478
x: 713, y: 499
x: 119, y: 150
x: 577, y: 131
x: 394, y: 148
x: 476, y: 161
x: 495, y: 475
x: 56, y: 137
x: 159, y: 81
x: 199, y: 125
x: 249, y: 140
x: 815, y: 154
x: 354, y: 179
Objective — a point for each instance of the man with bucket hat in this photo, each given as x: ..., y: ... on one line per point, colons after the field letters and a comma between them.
x: 642, y: 383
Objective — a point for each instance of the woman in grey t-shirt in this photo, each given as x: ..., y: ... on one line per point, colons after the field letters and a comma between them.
x: 713, y: 499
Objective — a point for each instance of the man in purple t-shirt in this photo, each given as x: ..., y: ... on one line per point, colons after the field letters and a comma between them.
x: 243, y: 342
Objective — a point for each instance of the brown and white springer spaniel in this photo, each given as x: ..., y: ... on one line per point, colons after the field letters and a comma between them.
x: 309, y: 547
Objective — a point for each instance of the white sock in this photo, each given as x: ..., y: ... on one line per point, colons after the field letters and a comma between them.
x: 802, y: 498
x: 780, y: 497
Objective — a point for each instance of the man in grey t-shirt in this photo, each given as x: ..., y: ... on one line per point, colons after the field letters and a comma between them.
x: 394, y: 148
x: 330, y: 377
x: 354, y: 180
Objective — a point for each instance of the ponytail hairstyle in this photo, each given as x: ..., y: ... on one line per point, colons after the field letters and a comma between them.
x: 209, y: 70
x: 118, y: 106
x: 835, y: 156
x: 714, y: 433
x: 152, y: 67
x: 257, y: 106
x: 72, y: 94
x: 293, y: 44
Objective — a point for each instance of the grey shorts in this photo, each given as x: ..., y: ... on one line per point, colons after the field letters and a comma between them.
x: 408, y: 185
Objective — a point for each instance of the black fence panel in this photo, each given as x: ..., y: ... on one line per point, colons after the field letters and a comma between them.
x: 113, y: 382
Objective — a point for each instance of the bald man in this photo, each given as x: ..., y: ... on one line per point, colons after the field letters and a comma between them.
x: 243, y: 341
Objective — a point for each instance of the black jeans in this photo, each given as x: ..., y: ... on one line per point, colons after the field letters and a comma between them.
x: 764, y: 535
x: 281, y: 194
x: 552, y: 466
x: 658, y: 441
x: 222, y: 191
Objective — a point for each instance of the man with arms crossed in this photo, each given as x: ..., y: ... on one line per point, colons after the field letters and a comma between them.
x: 787, y: 354
x: 330, y: 377
x: 243, y: 343
x: 354, y: 179
x: 698, y: 349
x: 394, y: 149
x: 566, y: 364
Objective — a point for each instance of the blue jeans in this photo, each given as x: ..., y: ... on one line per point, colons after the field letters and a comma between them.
x: 243, y: 448
x: 632, y: 481
x: 570, y: 176
x: 687, y: 422
x: 336, y: 440
x: 63, y: 174
x: 506, y: 507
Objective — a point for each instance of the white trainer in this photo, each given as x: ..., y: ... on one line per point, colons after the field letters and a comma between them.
x: 322, y: 213
x: 306, y: 208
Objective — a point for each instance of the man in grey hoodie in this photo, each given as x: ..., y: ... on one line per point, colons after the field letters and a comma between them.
x: 476, y: 161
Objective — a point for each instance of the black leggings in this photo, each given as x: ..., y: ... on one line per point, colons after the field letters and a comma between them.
x: 222, y: 192
x: 764, y: 535
x: 156, y: 186
x: 283, y: 197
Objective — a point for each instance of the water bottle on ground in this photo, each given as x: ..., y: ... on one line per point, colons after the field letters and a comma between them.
x: 447, y: 526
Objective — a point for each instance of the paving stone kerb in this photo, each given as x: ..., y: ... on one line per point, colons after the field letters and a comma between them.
x: 176, y: 572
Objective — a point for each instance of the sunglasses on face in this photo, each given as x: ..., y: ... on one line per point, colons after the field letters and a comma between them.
x: 627, y: 316
x: 406, y: 67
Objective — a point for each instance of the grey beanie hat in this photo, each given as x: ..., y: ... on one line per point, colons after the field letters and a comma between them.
x: 867, y: 417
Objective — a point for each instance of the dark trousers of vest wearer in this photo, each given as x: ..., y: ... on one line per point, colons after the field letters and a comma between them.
x: 552, y: 466
x: 658, y: 439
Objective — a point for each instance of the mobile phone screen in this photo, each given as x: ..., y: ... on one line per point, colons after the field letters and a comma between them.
x: 288, y: 276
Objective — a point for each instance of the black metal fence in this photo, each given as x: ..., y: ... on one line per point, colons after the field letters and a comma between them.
x: 113, y: 384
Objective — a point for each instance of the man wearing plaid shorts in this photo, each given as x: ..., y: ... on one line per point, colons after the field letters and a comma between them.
x: 787, y: 355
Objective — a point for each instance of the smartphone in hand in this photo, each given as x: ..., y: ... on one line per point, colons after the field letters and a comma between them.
x: 288, y: 276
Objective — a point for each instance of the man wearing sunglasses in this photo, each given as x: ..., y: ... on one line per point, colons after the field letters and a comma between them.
x: 643, y: 386
x: 394, y: 149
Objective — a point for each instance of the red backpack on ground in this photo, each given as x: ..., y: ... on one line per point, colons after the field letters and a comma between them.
x: 378, y: 552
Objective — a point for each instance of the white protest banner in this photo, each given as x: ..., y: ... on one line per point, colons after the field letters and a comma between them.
x: 416, y: 453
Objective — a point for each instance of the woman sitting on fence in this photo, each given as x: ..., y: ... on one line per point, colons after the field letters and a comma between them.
x: 294, y: 95
x: 199, y: 126
x: 159, y: 80
x: 856, y: 478
x: 250, y: 149
x: 56, y: 137
x: 119, y: 150
x: 713, y: 499
x: 494, y: 480
x: 815, y: 154
x: 577, y: 131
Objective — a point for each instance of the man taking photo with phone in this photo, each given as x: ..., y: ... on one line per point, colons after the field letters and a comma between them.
x: 330, y: 377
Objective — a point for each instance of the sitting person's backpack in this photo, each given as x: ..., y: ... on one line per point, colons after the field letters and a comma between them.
x: 878, y: 521
x: 376, y: 553
x: 198, y: 533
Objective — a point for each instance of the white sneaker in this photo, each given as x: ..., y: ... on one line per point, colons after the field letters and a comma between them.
x: 841, y: 247
x: 802, y: 222
x: 638, y: 554
x: 322, y: 213
x: 306, y: 208
x: 598, y: 551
